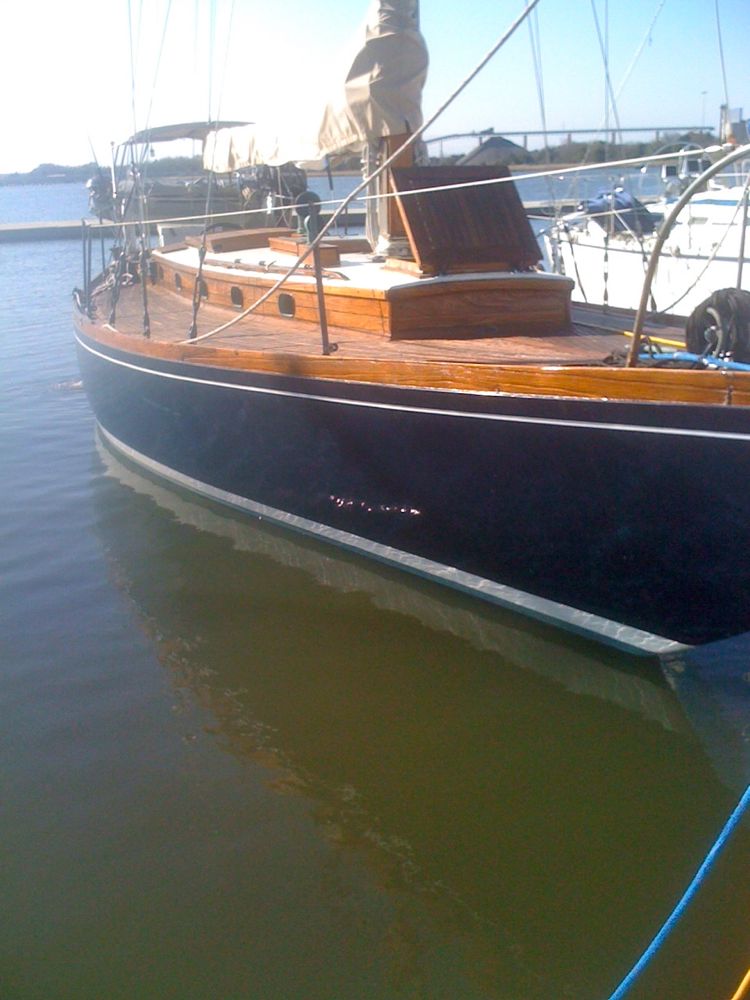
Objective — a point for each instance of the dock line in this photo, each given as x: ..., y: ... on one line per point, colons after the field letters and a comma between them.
x: 688, y: 895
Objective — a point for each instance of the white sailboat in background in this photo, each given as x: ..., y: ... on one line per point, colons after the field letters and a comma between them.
x: 606, y: 244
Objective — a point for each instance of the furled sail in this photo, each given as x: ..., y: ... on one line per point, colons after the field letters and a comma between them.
x: 380, y: 95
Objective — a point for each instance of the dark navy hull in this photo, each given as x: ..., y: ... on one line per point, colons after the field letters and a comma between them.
x: 594, y: 514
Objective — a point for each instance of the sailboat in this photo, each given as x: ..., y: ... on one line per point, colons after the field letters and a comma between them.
x: 426, y: 396
x: 188, y: 204
x: 605, y: 245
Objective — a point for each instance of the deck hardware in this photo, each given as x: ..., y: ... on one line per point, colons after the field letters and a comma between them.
x: 144, y: 268
x: 328, y: 347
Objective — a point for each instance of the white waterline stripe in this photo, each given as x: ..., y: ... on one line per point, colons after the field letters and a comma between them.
x: 431, y: 411
x: 551, y: 612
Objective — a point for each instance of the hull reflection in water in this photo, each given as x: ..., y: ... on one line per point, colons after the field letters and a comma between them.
x: 712, y: 683
x: 580, y: 666
x: 507, y: 789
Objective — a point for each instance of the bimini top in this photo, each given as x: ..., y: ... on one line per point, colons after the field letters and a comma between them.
x: 184, y: 130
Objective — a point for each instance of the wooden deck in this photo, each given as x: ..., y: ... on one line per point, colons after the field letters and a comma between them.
x: 466, y: 303
x: 570, y: 365
x: 170, y: 319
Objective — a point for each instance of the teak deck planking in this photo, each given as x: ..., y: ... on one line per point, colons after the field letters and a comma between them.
x: 566, y: 365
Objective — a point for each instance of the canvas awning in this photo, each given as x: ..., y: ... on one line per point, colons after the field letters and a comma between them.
x: 183, y: 130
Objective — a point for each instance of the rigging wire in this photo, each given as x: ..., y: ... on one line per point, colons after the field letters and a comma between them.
x: 211, y: 42
x: 225, y: 65
x: 209, y: 188
x: 141, y: 231
x: 714, y: 252
x: 664, y: 231
x: 537, y: 58
x: 144, y: 154
x: 721, y: 54
x: 222, y: 85
x: 607, y: 100
x: 199, y: 283
x: 515, y: 178
x: 536, y: 52
x: 631, y: 66
x: 132, y: 65
x: 196, y: 33
x: 633, y: 161
x: 646, y: 38
x: 717, y: 246
x: 157, y: 70
x: 609, y: 96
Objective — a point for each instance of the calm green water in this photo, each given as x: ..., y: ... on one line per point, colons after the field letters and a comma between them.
x: 236, y: 765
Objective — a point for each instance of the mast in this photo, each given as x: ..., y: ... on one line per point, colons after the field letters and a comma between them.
x: 384, y: 227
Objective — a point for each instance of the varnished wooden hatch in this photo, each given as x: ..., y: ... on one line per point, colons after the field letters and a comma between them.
x: 481, y: 228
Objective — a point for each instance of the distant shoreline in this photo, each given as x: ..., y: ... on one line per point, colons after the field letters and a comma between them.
x: 570, y: 154
x: 46, y: 182
x: 54, y: 175
x: 77, y: 176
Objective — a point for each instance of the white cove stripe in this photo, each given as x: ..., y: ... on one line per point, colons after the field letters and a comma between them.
x: 633, y: 640
x: 431, y: 411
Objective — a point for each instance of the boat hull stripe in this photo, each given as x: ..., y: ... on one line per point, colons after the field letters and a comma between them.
x: 550, y: 612
x: 430, y: 411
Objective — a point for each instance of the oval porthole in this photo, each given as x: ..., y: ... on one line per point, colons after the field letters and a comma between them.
x: 178, y: 282
x: 203, y: 289
x: 238, y: 299
x: 153, y: 271
x: 286, y: 305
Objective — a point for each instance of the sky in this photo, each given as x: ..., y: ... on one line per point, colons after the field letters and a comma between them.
x: 73, y: 83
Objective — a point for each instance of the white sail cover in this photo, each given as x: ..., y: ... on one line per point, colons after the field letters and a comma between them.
x: 380, y: 94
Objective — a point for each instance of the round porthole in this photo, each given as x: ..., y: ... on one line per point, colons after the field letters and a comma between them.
x: 286, y: 305
x: 238, y: 299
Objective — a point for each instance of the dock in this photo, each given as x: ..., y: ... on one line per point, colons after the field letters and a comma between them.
x: 32, y: 232
x: 28, y: 232
x: 24, y: 232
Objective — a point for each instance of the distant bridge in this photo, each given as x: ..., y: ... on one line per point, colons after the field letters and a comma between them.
x: 658, y: 132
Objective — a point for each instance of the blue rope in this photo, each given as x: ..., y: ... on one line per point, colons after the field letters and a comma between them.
x: 677, y: 912
x: 707, y: 360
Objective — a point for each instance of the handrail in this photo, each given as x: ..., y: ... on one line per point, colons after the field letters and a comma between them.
x: 664, y: 231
